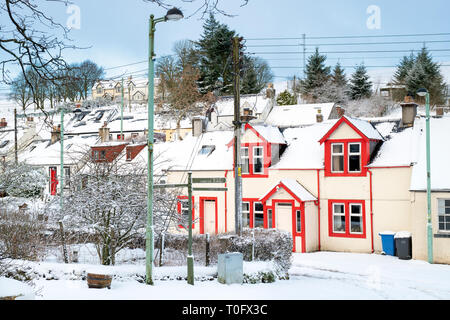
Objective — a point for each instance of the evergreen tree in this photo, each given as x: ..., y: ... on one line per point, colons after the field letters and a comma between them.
x: 286, y: 99
x: 403, y: 69
x: 215, y: 48
x: 360, y: 85
x: 421, y: 71
x: 426, y: 74
x: 338, y: 77
x: 317, y: 73
x: 256, y: 74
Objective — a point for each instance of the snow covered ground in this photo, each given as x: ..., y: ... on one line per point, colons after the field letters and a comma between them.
x: 313, y: 276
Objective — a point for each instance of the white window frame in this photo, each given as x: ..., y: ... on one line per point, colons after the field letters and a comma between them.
x: 354, y: 154
x: 258, y: 157
x: 259, y: 212
x: 342, y: 154
x: 360, y: 215
x: 339, y: 214
x: 270, y: 221
x: 245, y: 159
x: 297, y: 213
x: 247, y: 212
x: 66, y: 177
x: 441, y: 213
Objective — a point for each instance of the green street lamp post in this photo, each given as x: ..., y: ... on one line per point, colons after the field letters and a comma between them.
x: 426, y: 94
x: 173, y: 14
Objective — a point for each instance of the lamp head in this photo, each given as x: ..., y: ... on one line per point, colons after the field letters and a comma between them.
x: 174, y: 14
x: 422, y: 92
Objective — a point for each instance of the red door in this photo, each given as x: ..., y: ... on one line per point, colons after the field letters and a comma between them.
x: 53, y: 181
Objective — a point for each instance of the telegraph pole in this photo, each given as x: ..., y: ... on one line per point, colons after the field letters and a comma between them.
x: 15, y: 137
x: 237, y: 136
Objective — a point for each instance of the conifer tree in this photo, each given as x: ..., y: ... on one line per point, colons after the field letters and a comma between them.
x: 317, y: 73
x: 215, y: 48
x: 285, y: 98
x: 403, y: 69
x: 338, y: 76
x: 360, y: 85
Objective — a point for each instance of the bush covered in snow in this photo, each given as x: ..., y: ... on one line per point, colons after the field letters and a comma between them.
x: 22, y: 180
x: 269, y: 245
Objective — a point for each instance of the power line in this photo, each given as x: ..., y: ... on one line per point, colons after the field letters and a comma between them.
x: 346, y: 44
x: 345, y: 52
x: 352, y: 37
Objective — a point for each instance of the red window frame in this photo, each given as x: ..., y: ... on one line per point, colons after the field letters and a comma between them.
x: 180, y: 213
x: 347, y: 233
x: 364, y: 154
x: 251, y: 202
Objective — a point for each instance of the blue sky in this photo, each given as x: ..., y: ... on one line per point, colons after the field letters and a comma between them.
x: 117, y: 31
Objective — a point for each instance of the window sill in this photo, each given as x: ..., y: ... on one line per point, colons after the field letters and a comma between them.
x: 442, y: 235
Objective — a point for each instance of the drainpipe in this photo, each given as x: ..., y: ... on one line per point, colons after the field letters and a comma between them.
x: 318, y: 201
x: 371, y: 208
x: 226, y: 204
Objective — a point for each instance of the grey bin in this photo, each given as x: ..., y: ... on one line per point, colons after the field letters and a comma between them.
x: 403, y: 245
x: 230, y: 268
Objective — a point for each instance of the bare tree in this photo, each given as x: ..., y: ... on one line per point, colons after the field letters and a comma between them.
x: 31, y: 38
x: 202, y: 7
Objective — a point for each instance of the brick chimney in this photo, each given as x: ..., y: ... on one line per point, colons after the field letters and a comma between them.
x: 197, y: 126
x: 409, y: 111
x: 103, y: 132
x: 439, y: 112
x: 3, y: 123
x: 319, y: 116
x: 55, y: 134
x: 340, y: 111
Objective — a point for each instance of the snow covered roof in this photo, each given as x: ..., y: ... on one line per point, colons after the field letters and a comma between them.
x: 270, y: 133
x: 295, y: 187
x: 225, y: 105
x: 297, y: 115
x: 362, y: 127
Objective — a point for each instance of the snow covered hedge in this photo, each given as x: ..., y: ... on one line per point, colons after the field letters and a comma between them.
x: 22, y: 180
x: 268, y: 246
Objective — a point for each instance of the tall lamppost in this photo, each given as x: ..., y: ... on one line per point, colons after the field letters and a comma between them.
x: 424, y: 93
x: 173, y: 14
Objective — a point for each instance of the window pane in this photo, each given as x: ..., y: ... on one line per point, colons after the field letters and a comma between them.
x: 337, y: 163
x: 339, y: 223
x: 356, y: 224
x: 337, y: 148
x: 355, y: 209
x: 258, y: 151
x: 269, y: 218
x: 299, y: 221
x: 259, y: 220
x: 259, y: 207
x: 258, y: 165
x: 339, y: 208
x: 246, y: 214
x: 447, y: 203
x: 354, y: 148
x: 354, y: 163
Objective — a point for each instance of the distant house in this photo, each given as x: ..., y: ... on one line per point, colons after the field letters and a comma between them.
x: 134, y: 91
x: 392, y: 91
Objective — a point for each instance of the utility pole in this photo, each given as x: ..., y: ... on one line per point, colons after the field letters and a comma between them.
x: 237, y: 137
x: 121, y: 116
x: 15, y: 137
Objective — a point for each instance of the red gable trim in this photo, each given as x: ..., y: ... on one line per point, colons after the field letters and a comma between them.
x: 248, y: 126
x: 275, y: 189
x: 337, y: 125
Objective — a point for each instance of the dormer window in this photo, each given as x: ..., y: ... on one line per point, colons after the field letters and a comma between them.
x: 99, y: 90
x: 348, y: 146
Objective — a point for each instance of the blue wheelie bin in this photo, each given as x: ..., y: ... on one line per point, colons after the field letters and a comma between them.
x: 388, y: 242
